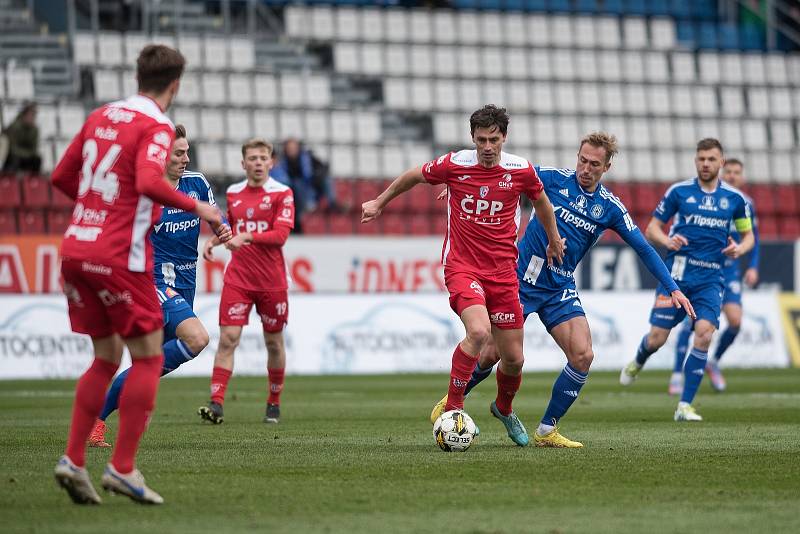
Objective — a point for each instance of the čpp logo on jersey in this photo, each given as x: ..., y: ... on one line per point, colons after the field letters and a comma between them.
x: 251, y: 226
x: 480, y: 207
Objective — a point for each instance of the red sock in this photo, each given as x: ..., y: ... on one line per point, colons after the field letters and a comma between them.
x: 460, y: 372
x: 507, y: 387
x: 219, y: 383
x: 275, y: 385
x: 136, y: 403
x: 90, y: 394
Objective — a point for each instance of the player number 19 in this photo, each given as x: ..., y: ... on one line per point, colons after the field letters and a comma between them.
x: 100, y: 180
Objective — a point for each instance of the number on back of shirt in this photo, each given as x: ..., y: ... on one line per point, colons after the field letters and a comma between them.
x: 99, y: 179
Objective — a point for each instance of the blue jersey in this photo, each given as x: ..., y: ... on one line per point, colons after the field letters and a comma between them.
x: 581, y: 217
x: 705, y: 220
x: 175, y: 237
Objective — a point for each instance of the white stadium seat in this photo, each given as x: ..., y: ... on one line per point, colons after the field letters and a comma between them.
x: 240, y: 88
x: 639, y: 132
x: 612, y: 99
x: 608, y: 33
x: 585, y: 32
x: 662, y: 33
x: 445, y: 95
x: 211, y: 159
x: 191, y: 89
x: 397, y: 30
x: 343, y: 161
x: 242, y: 54
x: 467, y: 28
x: 318, y: 90
x: 635, y: 99
x: 588, y: 98
x: 214, y: 89
x: 397, y: 61
x: 515, y: 29
x: 494, y: 93
x: 780, y: 102
x: 420, y: 26
x: 232, y: 157
x: 83, y: 49
x: 731, y: 136
x: 468, y: 61
x: 567, y: 131
x: 776, y: 69
x: 348, y: 26
x: 542, y: 99
x: 561, y: 31
x: 46, y: 120
x: 516, y: 61
x: 586, y: 65
x: 446, y: 129
x: 107, y: 86
x: 493, y: 62
x: 538, y: 30
x: 265, y: 124
x: 444, y: 29
x: 372, y: 59
x: 543, y: 131
x: 562, y: 64
x: 342, y: 126
x: 346, y: 58
x: 372, y: 24
x: 368, y: 162
x: 633, y: 66
x: 265, y: 89
x: 755, y: 135
x: 656, y: 67
x: 781, y: 167
x: 134, y: 42
x: 539, y: 65
x: 709, y: 67
x: 566, y: 97
x: 421, y: 90
x: 316, y: 126
x: 212, y: 124
x: 70, y: 119
x: 292, y: 90
x: 683, y: 68
x: 445, y: 61
x: 420, y: 61
x: 215, y: 53
x: 731, y: 68
x: 322, y: 24
x: 129, y: 85
x: 758, y: 102
x: 395, y: 93
x: 239, y: 125
x: 187, y: 116
x: 491, y: 28
x: 662, y: 132
x: 634, y: 30
x: 731, y: 102
x: 705, y: 101
x: 684, y: 130
x: 666, y: 169
x: 518, y: 97
x: 781, y: 134
x: 682, y: 103
x: 295, y: 19
x: 290, y: 124
x: 471, y: 97
x: 658, y: 101
x: 609, y: 66
x: 109, y: 49
x: 191, y: 46
x: 393, y: 160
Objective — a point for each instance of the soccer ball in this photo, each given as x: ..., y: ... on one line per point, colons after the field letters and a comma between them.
x: 454, y: 431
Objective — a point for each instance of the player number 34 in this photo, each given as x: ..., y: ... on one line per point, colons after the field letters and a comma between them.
x: 100, y: 179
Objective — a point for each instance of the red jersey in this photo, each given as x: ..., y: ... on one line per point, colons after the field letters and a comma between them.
x: 483, y: 209
x: 259, y: 210
x: 114, y: 169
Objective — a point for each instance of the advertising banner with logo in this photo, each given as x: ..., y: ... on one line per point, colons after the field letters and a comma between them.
x: 376, y: 334
x: 29, y: 264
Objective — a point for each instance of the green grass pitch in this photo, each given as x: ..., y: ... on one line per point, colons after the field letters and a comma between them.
x: 355, y: 454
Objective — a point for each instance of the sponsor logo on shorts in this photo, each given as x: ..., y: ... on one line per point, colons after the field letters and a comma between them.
x: 662, y: 316
x: 111, y: 299
x: 477, y: 288
x: 72, y: 294
x: 171, y: 292
x: 237, y: 311
x: 502, y: 317
x: 663, y: 301
x: 268, y: 321
x: 95, y: 268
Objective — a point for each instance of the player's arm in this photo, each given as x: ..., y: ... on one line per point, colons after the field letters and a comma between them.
x: 66, y: 175
x: 281, y: 225
x: 556, y: 245
x: 661, y: 215
x: 223, y: 231
x: 372, y: 209
x: 744, y: 225
x: 751, y: 274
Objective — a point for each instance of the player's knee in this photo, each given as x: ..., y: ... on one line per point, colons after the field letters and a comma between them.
x: 656, y: 340
x: 274, y: 345
x: 479, y: 334
x: 735, y: 323
x: 196, y: 341
x: 702, y: 337
x: 228, y: 342
x: 581, y: 360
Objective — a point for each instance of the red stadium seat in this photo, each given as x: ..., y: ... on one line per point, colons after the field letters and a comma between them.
x: 420, y: 224
x: 422, y: 198
x: 786, y: 200
x: 394, y: 224
x: 341, y: 223
x: 9, y: 192
x: 371, y: 228
x: 60, y: 200
x: 625, y: 194
x: 398, y: 204
x: 367, y: 190
x: 31, y: 221
x: 764, y: 199
x: 315, y: 223
x: 645, y: 198
x: 35, y: 191
x: 58, y: 219
x: 344, y: 190
x: 8, y: 221
x: 789, y: 227
x: 767, y: 227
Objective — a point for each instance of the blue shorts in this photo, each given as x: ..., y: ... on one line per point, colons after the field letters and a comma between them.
x: 176, y: 305
x: 706, y: 301
x: 554, y: 306
x: 733, y: 286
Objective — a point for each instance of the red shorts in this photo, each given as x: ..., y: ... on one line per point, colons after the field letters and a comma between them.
x: 235, y: 304
x: 500, y: 296
x: 107, y: 300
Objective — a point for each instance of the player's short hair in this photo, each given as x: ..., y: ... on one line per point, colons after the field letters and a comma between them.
x: 603, y: 140
x: 180, y: 131
x: 734, y: 161
x: 158, y: 66
x: 709, y: 143
x: 256, y: 142
x: 488, y: 116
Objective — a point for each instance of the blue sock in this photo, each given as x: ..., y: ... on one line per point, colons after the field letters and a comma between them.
x: 565, y: 390
x: 478, y: 376
x: 175, y: 353
x: 682, y: 347
x: 112, y: 397
x: 725, y: 340
x: 643, y: 352
x: 693, y: 371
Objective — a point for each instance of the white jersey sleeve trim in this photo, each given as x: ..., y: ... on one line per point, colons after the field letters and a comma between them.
x: 465, y: 158
x: 512, y: 161
x: 238, y: 187
x: 274, y: 186
x: 690, y: 181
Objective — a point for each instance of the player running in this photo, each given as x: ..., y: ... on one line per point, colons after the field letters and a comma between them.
x: 584, y: 209
x: 114, y: 170
x: 174, y: 240
x: 698, y: 244
x: 732, y: 173
x: 479, y: 254
x: 261, y: 213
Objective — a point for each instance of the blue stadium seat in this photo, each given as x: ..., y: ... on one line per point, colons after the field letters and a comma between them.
x: 704, y: 9
x: 559, y: 6
x: 707, y: 36
x: 464, y: 4
x: 515, y: 5
x: 586, y: 6
x: 729, y: 36
x: 685, y: 32
x: 658, y: 7
x: 637, y: 7
x: 680, y: 9
x: 494, y: 5
x: 535, y: 5
x: 752, y: 38
x: 616, y: 7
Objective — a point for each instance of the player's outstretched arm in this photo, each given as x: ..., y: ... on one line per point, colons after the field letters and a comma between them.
x: 556, y: 244
x: 372, y: 209
x: 656, y: 235
x: 210, y: 214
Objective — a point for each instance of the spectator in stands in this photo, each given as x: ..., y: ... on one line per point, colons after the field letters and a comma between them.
x: 23, y: 142
x: 308, y: 178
